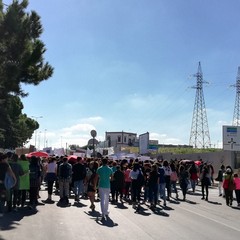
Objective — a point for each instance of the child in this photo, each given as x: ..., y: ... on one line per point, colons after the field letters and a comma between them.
x: 237, y: 190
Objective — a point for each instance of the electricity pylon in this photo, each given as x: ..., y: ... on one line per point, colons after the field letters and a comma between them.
x: 199, y: 137
x: 236, y: 117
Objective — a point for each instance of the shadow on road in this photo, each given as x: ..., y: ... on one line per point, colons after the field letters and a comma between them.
x: 95, y: 215
x: 215, y: 203
x: 79, y: 205
x: 142, y: 211
x: 107, y: 222
x: 11, y: 220
x: 160, y: 212
x: 237, y: 208
x: 187, y: 201
x: 121, y: 206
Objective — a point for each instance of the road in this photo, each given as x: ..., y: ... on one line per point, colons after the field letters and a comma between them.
x: 192, y: 219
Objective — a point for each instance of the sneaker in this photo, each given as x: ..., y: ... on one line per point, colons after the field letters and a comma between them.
x: 48, y: 200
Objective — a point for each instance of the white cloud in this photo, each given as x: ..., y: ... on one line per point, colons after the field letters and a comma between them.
x: 92, y: 119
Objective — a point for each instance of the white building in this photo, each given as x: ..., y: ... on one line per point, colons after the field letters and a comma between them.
x: 120, y: 139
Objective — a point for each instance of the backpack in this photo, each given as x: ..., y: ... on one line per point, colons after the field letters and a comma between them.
x: 9, y: 181
x: 34, y: 172
x: 64, y: 171
x: 140, y: 178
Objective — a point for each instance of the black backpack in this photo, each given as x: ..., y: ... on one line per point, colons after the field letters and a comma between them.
x: 140, y: 178
x: 34, y: 172
x: 64, y: 171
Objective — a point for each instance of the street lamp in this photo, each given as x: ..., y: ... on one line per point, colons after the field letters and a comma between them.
x: 36, y: 118
x: 39, y: 140
x: 45, y: 130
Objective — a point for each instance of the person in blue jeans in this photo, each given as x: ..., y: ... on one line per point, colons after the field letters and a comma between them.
x: 104, y: 174
x: 153, y: 186
x: 79, y: 173
x: 162, y: 184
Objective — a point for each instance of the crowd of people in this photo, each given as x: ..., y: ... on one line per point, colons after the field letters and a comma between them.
x: 133, y: 181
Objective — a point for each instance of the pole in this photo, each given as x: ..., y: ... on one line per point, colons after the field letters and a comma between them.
x: 44, y: 138
x: 36, y: 118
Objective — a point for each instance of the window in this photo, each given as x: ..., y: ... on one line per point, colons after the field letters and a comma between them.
x: 119, y: 139
x: 125, y: 139
x: 109, y: 141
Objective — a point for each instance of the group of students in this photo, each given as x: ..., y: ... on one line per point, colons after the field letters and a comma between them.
x: 122, y: 180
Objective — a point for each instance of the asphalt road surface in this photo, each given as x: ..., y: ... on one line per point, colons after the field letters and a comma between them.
x: 193, y: 219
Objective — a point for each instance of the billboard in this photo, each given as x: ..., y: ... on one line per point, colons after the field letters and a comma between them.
x: 231, y: 138
x: 143, y: 143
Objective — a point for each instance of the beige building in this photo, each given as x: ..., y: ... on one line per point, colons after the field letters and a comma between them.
x: 117, y: 140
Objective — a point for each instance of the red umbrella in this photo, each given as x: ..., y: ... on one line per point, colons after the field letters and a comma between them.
x: 186, y: 161
x: 198, y: 162
x: 38, y: 154
x: 72, y: 158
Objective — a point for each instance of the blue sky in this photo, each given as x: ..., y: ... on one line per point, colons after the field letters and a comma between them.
x: 128, y: 65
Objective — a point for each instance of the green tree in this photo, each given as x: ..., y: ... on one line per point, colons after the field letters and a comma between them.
x: 21, y: 62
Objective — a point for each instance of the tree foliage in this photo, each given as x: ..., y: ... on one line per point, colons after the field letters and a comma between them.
x: 21, y: 62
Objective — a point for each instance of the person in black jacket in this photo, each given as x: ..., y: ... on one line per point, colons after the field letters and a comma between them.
x: 118, y: 178
x: 205, y: 181
x: 78, y: 176
x: 34, y: 176
x: 219, y: 178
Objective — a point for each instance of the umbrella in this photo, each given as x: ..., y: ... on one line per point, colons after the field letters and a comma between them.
x: 186, y: 161
x: 38, y: 154
x: 72, y: 158
x: 198, y: 162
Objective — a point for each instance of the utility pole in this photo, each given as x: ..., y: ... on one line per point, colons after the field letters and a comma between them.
x: 36, y: 118
x: 236, y: 114
x: 199, y: 137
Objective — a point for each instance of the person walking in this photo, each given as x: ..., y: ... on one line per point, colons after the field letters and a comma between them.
x: 127, y: 181
x: 104, y: 174
x: 174, y: 178
x: 79, y: 173
x: 18, y: 171
x: 118, y: 178
x: 205, y: 181
x: 65, y: 178
x: 237, y: 188
x: 24, y: 181
x: 183, y: 180
x: 219, y: 179
x: 228, y: 185
x: 35, y: 176
x: 91, y: 181
x: 4, y: 169
x: 136, y: 185
x: 168, y: 171
x: 153, y: 183
x: 162, y: 185
x: 51, y: 176
x: 193, y: 171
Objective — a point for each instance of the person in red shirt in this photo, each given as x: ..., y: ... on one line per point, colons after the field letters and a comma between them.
x: 236, y: 180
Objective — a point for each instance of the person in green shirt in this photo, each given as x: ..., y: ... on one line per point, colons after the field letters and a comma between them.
x: 104, y: 174
x: 24, y: 182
